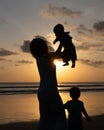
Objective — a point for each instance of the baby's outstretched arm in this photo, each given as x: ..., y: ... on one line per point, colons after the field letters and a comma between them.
x: 59, y: 48
x: 56, y: 40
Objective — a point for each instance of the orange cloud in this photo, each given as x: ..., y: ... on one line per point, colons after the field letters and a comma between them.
x: 54, y: 11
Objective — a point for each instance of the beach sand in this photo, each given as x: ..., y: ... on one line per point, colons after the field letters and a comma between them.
x: 96, y: 123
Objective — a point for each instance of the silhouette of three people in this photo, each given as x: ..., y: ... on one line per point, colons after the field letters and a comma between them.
x: 51, y: 107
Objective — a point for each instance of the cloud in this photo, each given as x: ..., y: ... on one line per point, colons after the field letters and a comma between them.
x: 86, y: 39
x: 4, y: 21
x: 2, y: 59
x: 49, y: 44
x: 26, y: 45
x: 24, y: 62
x: 70, y: 26
x: 87, y: 46
x: 54, y: 11
x: 82, y: 28
x: 4, y: 52
x: 83, y: 46
x: 83, y: 33
x: 2, y: 67
x: 88, y: 43
x: 99, y: 26
x: 92, y: 63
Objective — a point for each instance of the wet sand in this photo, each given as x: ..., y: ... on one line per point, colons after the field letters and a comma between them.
x: 96, y: 123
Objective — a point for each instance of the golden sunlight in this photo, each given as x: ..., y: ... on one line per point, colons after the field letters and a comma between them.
x: 58, y: 63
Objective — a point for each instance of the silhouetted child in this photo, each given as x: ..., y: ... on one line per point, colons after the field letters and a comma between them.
x: 75, y: 109
x: 69, y: 52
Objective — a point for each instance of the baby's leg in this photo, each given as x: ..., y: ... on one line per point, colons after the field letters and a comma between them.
x: 73, y: 64
x: 66, y: 63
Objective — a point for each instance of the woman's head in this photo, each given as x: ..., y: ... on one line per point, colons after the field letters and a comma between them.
x: 75, y: 93
x: 38, y: 47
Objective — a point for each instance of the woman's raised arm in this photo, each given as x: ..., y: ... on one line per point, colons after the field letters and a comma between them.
x: 56, y: 55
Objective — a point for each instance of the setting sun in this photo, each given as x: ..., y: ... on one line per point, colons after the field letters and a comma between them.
x: 58, y: 63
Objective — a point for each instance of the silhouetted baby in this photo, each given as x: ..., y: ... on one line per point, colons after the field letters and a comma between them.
x: 69, y: 52
x: 75, y: 109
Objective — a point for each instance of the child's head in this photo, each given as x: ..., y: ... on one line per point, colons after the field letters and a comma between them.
x: 58, y: 29
x: 38, y: 47
x: 74, y: 93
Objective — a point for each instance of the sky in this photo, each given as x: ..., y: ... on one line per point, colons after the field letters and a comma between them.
x: 22, y: 20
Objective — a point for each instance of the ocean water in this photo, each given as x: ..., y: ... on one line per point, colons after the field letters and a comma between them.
x: 18, y: 101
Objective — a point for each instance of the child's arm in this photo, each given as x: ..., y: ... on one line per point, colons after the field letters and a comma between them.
x: 65, y: 105
x: 59, y: 48
x: 56, y: 40
x: 86, y: 114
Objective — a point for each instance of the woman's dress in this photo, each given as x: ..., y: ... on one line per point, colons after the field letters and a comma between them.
x: 52, y: 114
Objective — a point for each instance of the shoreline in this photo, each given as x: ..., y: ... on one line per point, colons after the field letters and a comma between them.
x: 96, y: 123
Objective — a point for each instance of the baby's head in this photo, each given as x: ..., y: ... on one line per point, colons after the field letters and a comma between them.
x: 38, y: 47
x: 74, y: 93
x: 58, y: 29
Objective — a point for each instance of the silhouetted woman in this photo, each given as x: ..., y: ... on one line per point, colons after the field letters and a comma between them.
x: 52, y: 114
